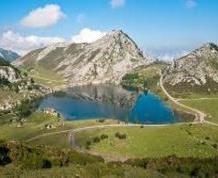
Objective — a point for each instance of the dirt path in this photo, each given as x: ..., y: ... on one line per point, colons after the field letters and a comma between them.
x: 76, y: 130
x: 199, y: 114
x: 195, y: 99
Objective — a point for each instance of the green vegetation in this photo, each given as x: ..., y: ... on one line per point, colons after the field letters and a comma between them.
x: 35, y: 124
x: 42, y: 161
x: 181, y: 140
x: 45, y: 77
x: 145, y: 78
x: 208, y: 106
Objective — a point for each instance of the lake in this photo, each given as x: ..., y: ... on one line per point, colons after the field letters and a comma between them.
x: 106, y: 101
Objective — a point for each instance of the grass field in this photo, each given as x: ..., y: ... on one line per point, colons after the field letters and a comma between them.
x: 35, y: 125
x: 208, y: 106
x: 191, y: 95
x: 183, y: 141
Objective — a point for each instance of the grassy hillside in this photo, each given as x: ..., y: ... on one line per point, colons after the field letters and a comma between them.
x: 144, y: 78
x: 35, y: 125
x: 41, y: 161
x: 180, y: 140
x: 208, y: 106
x: 44, y: 76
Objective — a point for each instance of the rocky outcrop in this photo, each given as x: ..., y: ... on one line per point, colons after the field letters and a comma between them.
x: 8, y: 73
x: 105, y: 61
x: 197, y: 69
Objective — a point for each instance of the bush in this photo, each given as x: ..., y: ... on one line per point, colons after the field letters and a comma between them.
x: 120, y: 136
x: 207, y: 138
x: 96, y: 139
x: 215, y: 146
x: 4, y: 158
x: 103, y: 136
x: 101, y: 120
x: 88, y: 143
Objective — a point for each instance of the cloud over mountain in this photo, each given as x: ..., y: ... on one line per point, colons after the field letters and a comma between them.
x: 23, y: 44
x: 87, y: 35
x: 43, y: 16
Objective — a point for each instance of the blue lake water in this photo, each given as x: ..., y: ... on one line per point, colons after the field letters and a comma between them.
x: 110, y: 102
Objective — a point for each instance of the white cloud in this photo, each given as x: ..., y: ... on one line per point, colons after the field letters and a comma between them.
x: 117, y: 3
x: 23, y: 44
x: 43, y: 16
x: 191, y: 3
x: 87, y: 35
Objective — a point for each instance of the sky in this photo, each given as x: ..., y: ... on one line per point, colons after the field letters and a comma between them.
x: 162, y: 28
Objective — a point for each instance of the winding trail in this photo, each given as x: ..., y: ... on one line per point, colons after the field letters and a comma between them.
x: 77, y: 130
x: 198, y: 114
x: 195, y: 99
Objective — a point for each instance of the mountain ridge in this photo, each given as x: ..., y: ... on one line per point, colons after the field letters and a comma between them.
x: 103, y: 61
x: 198, y: 69
x: 8, y: 55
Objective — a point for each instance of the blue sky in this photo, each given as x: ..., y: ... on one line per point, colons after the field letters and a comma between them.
x: 161, y: 27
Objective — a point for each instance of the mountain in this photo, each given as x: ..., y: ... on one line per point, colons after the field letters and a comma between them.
x: 106, y: 60
x: 8, y: 55
x: 198, y: 70
x: 8, y: 73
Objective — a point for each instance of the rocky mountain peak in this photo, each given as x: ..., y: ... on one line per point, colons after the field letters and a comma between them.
x: 197, y: 69
x: 206, y: 50
x: 106, y: 60
x: 210, y: 46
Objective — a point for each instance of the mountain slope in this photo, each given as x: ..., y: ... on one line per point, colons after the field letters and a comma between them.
x: 105, y: 61
x: 8, y: 55
x: 196, y: 71
x: 8, y: 73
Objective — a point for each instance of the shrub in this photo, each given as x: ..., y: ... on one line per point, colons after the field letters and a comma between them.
x: 88, y: 143
x: 207, y: 138
x: 215, y: 146
x: 101, y: 120
x: 103, y: 136
x: 96, y: 139
x: 120, y: 136
x: 4, y: 158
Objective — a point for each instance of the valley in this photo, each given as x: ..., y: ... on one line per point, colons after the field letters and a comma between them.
x: 106, y: 100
